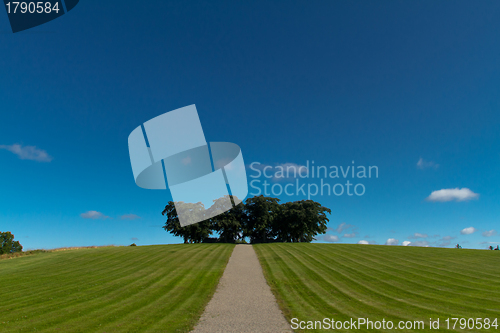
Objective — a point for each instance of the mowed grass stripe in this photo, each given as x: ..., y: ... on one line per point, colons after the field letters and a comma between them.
x: 174, y: 297
x: 431, y: 300
x: 166, y: 296
x: 442, y: 270
x: 90, y: 288
x: 407, y: 293
x: 353, y: 300
x: 439, y: 275
x: 57, y: 266
x: 345, y: 301
x: 400, y: 286
x: 152, y: 282
x: 283, y: 269
x: 81, y: 281
x: 118, y: 284
x: 26, y: 264
x: 113, y: 297
x: 350, y: 286
x: 343, y: 281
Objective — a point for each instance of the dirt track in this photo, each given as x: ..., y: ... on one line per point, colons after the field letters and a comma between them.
x: 243, y: 302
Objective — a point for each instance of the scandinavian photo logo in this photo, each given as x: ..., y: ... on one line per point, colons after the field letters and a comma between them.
x: 310, y: 180
x: 171, y: 149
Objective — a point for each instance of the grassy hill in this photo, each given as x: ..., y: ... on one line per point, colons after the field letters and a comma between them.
x: 160, y: 288
x: 165, y: 288
x: 342, y: 281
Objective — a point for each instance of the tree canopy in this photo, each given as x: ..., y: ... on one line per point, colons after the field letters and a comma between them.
x: 7, y: 243
x: 261, y: 219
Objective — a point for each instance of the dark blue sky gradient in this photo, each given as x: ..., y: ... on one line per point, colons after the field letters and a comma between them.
x: 380, y: 83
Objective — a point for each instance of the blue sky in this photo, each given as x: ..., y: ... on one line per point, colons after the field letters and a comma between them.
x: 378, y: 83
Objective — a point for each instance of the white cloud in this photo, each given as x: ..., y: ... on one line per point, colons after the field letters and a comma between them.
x: 392, y: 241
x: 423, y: 164
x: 489, y: 233
x: 92, y: 214
x: 351, y: 235
x: 447, y: 238
x: 331, y: 238
x: 452, y: 194
x: 28, y: 152
x: 363, y: 242
x: 406, y: 243
x: 468, y: 231
x: 130, y: 217
x: 418, y: 235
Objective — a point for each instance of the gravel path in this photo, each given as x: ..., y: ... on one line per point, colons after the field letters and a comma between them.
x: 243, y: 302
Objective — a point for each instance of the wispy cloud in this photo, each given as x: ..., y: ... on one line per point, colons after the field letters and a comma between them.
x: 134, y: 238
x: 468, y: 231
x: 489, y: 233
x: 392, y: 241
x: 452, y: 194
x: 351, y: 235
x: 344, y: 226
x: 291, y: 170
x: 367, y: 242
x: 422, y: 243
x: 445, y: 241
x: 28, y: 152
x: 130, y: 217
x: 418, y: 235
x: 94, y: 215
x: 331, y: 238
x: 280, y: 171
x: 423, y: 164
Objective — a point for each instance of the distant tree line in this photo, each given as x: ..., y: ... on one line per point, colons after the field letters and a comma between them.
x: 260, y: 219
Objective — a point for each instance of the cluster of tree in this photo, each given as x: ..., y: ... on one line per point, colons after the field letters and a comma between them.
x: 7, y: 243
x: 496, y: 248
x: 261, y: 219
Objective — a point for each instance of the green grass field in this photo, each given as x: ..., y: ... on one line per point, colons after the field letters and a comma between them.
x: 160, y: 288
x: 341, y: 281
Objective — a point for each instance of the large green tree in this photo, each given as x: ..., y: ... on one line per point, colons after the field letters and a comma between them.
x: 262, y: 219
x: 7, y: 243
x: 261, y: 212
x: 300, y: 221
x: 229, y: 223
x: 193, y: 233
